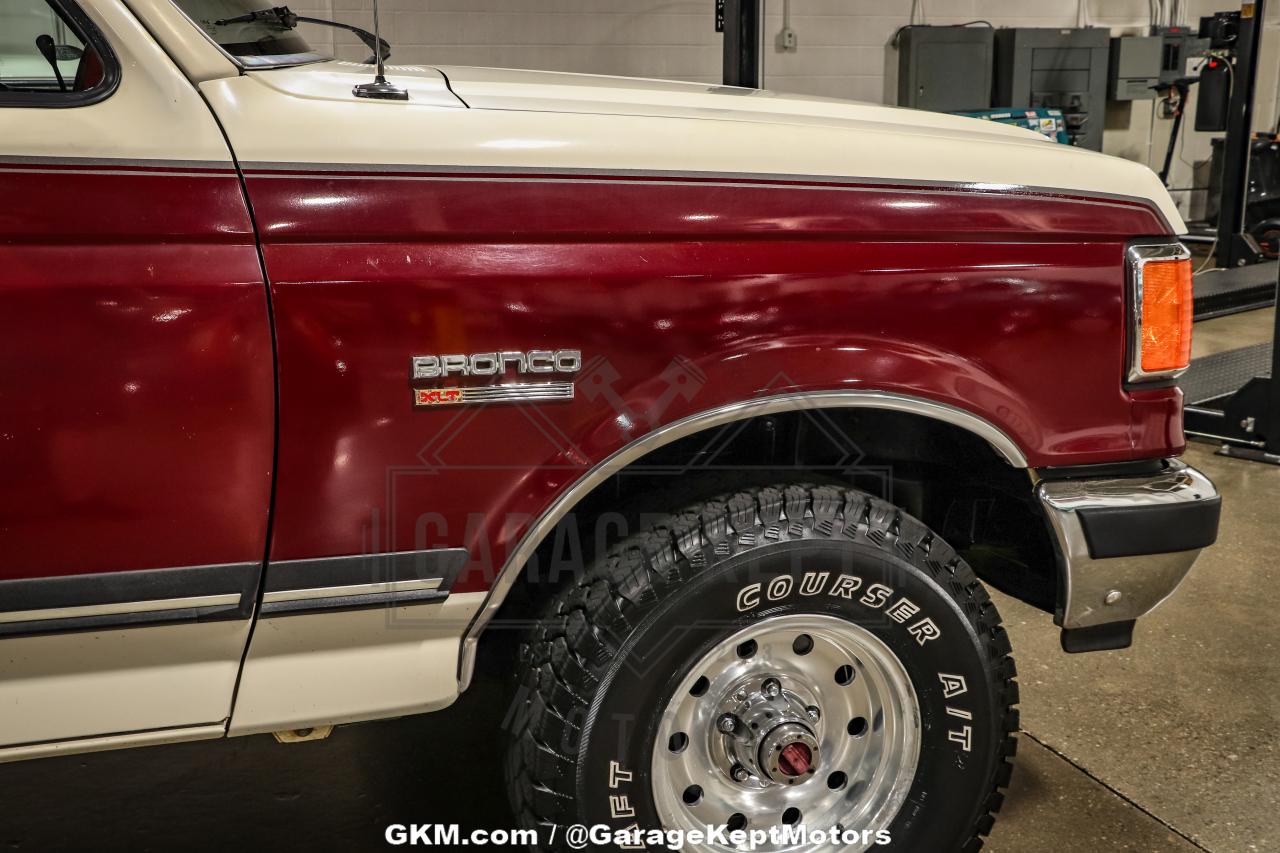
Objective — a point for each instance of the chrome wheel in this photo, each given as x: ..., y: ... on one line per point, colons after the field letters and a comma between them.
x: 800, y: 719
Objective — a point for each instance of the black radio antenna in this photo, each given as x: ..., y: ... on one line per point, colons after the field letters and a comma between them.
x: 379, y: 89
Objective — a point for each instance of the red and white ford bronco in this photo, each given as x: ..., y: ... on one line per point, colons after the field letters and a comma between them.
x: 709, y: 413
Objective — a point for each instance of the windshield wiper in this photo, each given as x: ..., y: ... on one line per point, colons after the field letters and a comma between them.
x: 282, y: 16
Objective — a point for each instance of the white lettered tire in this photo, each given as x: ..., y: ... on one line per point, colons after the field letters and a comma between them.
x: 802, y: 657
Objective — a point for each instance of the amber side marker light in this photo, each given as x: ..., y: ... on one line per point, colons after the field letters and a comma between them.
x: 1162, y: 310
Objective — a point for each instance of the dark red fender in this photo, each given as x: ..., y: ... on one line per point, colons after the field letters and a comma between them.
x: 1008, y: 305
x: 136, y: 399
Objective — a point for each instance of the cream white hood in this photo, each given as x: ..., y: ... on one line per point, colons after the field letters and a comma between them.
x: 511, y: 89
x: 483, y: 117
x: 1006, y: 148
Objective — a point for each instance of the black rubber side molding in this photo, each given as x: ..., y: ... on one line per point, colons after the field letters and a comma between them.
x: 127, y: 599
x: 1135, y: 531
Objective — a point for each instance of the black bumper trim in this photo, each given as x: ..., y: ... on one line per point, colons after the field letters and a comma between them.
x: 1134, y: 531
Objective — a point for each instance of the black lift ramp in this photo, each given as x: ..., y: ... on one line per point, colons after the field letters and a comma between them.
x: 1232, y: 398
x: 1220, y: 375
x: 1219, y: 292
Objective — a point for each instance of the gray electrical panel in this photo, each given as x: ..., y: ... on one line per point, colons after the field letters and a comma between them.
x: 1064, y: 69
x: 946, y: 69
x: 1179, y: 45
x: 1135, y: 67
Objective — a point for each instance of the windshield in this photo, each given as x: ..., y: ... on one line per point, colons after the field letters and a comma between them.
x: 261, y: 42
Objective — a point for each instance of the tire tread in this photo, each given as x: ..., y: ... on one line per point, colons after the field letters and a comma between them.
x: 588, y: 621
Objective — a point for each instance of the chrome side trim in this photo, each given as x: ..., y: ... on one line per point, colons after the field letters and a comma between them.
x: 223, y: 168
x: 814, y: 400
x: 349, y: 590
x: 1137, y: 257
x: 119, y: 741
x: 1143, y: 582
x: 151, y: 606
x: 497, y: 173
x: 360, y: 580
x: 262, y: 168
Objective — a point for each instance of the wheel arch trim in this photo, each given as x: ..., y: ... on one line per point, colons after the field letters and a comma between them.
x: 1000, y: 442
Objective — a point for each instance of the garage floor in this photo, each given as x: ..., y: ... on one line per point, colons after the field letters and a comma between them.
x: 1173, y: 745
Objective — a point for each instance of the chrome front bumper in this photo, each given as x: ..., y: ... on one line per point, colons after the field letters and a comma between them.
x: 1126, y: 543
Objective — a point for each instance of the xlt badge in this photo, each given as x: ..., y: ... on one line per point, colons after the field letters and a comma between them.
x: 496, y: 364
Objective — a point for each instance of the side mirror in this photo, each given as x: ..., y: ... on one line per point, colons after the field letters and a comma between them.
x: 44, y: 44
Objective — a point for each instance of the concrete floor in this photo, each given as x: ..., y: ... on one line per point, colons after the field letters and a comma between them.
x: 1173, y: 745
x: 1233, y: 331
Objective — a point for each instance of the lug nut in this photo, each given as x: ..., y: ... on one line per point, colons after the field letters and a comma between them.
x: 727, y: 723
x: 739, y: 773
x: 772, y: 688
x: 813, y: 713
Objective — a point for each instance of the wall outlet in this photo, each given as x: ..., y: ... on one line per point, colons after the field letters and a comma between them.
x: 787, y: 39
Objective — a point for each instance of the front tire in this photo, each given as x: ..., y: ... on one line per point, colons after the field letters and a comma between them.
x: 792, y: 656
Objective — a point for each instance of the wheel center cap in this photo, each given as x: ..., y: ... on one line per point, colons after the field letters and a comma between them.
x: 795, y: 760
x: 789, y: 754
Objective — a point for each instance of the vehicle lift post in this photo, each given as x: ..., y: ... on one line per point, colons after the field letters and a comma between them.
x: 1272, y: 446
x: 1247, y: 421
x: 1235, y: 247
x: 742, y: 23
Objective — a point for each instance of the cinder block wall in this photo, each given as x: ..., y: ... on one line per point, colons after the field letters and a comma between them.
x: 843, y: 47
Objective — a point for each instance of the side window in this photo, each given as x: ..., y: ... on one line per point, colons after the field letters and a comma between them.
x: 51, y: 55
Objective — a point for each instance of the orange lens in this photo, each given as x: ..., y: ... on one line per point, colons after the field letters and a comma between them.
x: 1166, y: 315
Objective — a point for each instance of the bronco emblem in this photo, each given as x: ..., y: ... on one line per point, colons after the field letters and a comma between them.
x: 497, y: 363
